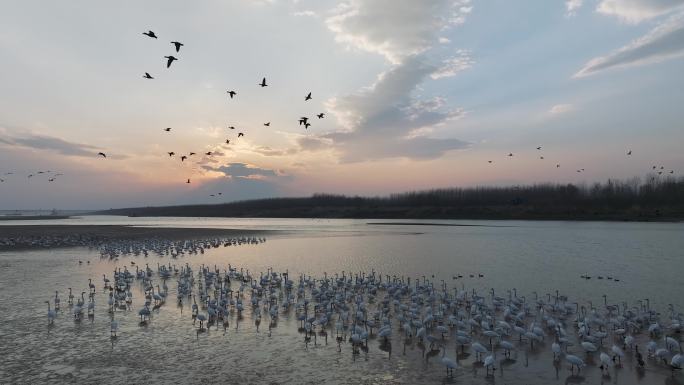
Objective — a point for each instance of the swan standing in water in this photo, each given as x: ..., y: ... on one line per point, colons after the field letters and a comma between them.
x: 50, y: 314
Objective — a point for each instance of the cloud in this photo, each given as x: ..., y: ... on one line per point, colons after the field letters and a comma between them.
x: 395, y: 29
x: 49, y: 143
x: 450, y: 67
x: 559, y: 109
x: 664, y: 42
x: 386, y: 121
x: 571, y: 7
x: 313, y: 143
x: 308, y: 13
x: 244, y: 170
x: 635, y: 11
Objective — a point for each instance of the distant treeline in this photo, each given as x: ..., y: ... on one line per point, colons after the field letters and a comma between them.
x: 655, y: 198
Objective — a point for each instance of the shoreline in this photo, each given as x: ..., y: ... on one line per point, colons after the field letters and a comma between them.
x: 106, y: 233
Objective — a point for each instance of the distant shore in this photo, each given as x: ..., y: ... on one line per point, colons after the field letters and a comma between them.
x: 112, y: 233
x: 32, y: 217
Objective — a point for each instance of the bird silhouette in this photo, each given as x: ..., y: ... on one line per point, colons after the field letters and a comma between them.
x: 102, y: 154
x: 490, y: 161
x: 172, y: 153
x: 539, y: 148
x: 541, y: 157
x: 188, y: 182
x: 629, y: 152
x: 307, y: 125
x: 169, y: 60
x: 510, y: 154
x: 321, y: 115
x: 308, y: 97
x: 240, y: 134
x: 191, y: 154
x: 167, y: 129
x: 227, y: 141
x: 231, y: 127
x: 303, y: 120
x: 263, y: 83
x: 150, y: 34
x: 211, y: 195
x: 147, y: 76
x: 183, y: 158
x: 207, y: 153
x: 558, y: 166
x: 30, y: 176
x: 231, y: 93
x: 177, y: 44
x: 267, y: 124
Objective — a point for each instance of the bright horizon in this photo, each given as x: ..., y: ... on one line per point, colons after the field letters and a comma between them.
x: 416, y: 95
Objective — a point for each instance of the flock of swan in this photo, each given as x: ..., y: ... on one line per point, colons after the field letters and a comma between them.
x: 113, y: 248
x: 460, y: 327
x: 171, y: 248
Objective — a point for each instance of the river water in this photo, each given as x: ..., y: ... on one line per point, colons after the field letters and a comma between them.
x: 643, y: 260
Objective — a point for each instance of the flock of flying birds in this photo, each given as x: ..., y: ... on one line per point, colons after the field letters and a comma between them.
x: 303, y: 121
x: 660, y: 170
x: 232, y: 94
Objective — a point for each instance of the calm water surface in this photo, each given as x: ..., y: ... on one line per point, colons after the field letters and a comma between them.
x: 531, y: 256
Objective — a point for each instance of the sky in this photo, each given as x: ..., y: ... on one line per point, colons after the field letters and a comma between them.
x: 416, y: 95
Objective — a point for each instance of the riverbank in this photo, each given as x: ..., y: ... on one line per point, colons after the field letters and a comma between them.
x: 32, y: 217
x: 44, y: 236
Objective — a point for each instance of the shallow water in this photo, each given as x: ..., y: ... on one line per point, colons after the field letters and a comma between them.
x: 530, y: 256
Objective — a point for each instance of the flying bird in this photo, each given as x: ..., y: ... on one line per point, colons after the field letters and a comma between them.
x: 211, y: 195
x: 321, y: 115
x: 188, y: 182
x: 541, y: 157
x: 629, y: 152
x: 183, y: 158
x: 307, y: 125
x: 303, y: 120
x: 231, y: 127
x: 169, y: 60
x: 177, y: 44
x: 207, y: 153
x: 150, y: 34
x: 231, y: 93
x: 51, y: 180
x: 30, y: 175
x: 267, y: 124
x: 558, y: 166
x: 240, y: 134
x: 510, y: 154
x: 102, y: 154
x: 227, y: 141
x: 167, y: 129
x: 308, y: 97
x: 539, y: 148
x: 263, y: 83
x: 490, y: 161
x: 191, y: 154
x: 147, y: 76
x: 172, y: 153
